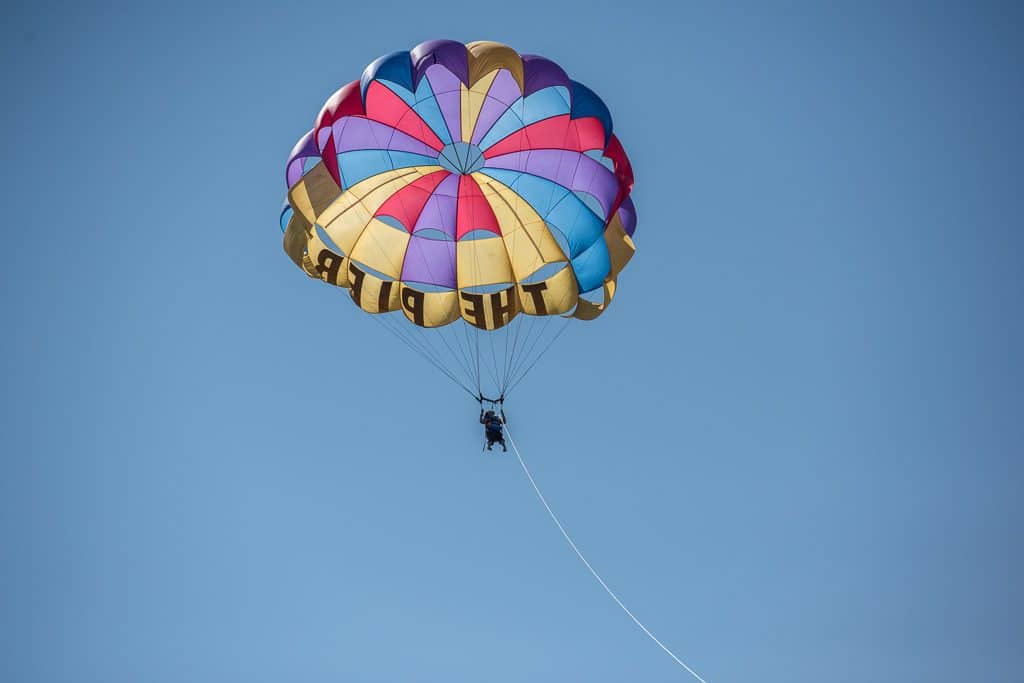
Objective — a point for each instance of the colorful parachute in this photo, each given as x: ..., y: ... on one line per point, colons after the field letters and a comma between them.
x: 464, y: 182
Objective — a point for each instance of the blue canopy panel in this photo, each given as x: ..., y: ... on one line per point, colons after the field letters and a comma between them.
x: 366, y: 163
x: 557, y: 205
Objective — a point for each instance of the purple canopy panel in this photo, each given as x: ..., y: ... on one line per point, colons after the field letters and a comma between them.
x: 304, y: 148
x: 448, y: 91
x: 504, y: 91
x: 440, y: 211
x: 627, y: 212
x: 539, y: 73
x: 430, y: 261
x: 355, y: 133
x: 322, y: 136
x: 451, y: 54
x: 294, y: 174
x: 572, y: 170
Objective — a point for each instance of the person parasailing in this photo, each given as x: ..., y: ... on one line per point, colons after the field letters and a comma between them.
x: 493, y: 427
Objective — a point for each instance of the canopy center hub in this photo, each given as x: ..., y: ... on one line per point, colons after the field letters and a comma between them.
x: 462, y: 158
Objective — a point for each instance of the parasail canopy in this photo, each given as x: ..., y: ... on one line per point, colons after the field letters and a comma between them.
x: 464, y: 184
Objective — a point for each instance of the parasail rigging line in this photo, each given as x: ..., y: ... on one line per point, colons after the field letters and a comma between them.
x: 514, y: 382
x: 583, y: 559
x: 425, y: 355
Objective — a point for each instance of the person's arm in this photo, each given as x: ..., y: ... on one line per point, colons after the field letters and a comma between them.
x: 504, y: 420
x: 481, y: 416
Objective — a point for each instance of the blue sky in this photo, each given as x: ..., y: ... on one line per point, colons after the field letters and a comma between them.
x: 792, y: 446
